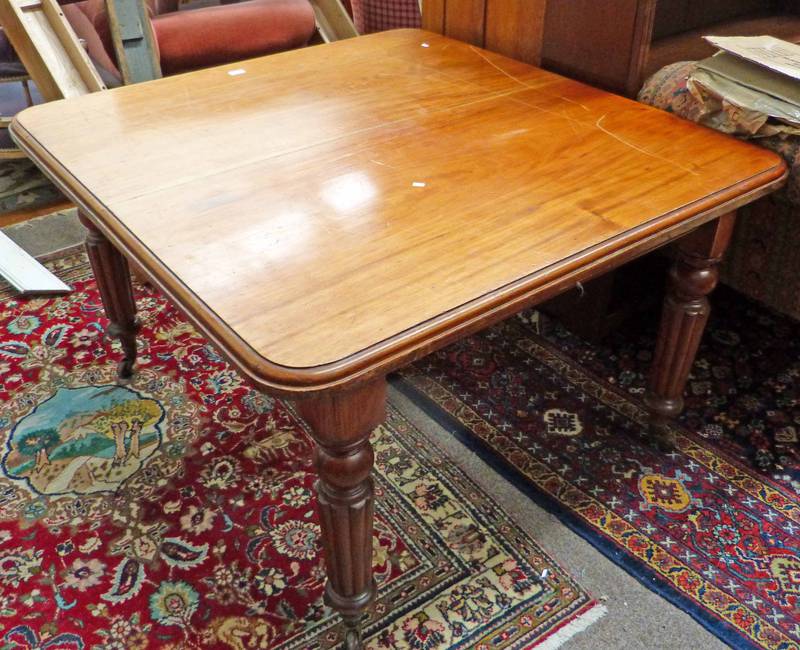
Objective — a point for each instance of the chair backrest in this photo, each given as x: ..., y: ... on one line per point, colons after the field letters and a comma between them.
x: 510, y: 27
x: 372, y: 16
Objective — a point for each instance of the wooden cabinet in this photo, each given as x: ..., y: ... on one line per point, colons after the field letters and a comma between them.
x: 613, y: 44
x: 601, y: 42
x: 510, y: 27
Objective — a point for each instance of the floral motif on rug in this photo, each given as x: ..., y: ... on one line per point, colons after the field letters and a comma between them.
x: 700, y: 525
x: 178, y: 511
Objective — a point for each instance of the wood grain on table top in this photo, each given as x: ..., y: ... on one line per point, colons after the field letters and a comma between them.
x: 328, y: 202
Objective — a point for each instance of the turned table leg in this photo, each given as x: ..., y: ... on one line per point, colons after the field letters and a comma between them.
x: 114, y: 282
x: 693, y: 276
x: 341, y: 424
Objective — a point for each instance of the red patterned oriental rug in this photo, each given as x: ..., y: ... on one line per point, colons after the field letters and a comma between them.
x: 177, y: 511
x: 703, y: 526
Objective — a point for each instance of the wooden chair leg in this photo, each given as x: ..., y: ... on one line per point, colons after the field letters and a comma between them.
x: 114, y: 282
x: 341, y: 424
x: 692, y: 277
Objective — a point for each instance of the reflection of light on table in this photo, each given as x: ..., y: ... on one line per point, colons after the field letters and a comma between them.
x: 348, y: 192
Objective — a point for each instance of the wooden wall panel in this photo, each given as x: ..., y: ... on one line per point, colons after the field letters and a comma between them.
x: 433, y: 15
x: 514, y: 28
x: 510, y: 27
x: 465, y: 20
x: 602, y: 42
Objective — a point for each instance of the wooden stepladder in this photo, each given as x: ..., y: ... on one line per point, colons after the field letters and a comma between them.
x: 55, y: 59
x: 49, y: 49
x: 134, y: 41
x: 333, y: 22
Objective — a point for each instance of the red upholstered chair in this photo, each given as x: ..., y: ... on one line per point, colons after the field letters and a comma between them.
x: 214, y: 35
x: 186, y: 40
x: 198, y: 38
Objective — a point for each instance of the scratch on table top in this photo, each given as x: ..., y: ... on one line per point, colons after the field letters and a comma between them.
x: 520, y: 81
x: 342, y: 157
x: 383, y: 164
x: 572, y: 101
x: 562, y: 114
x: 497, y: 67
x: 485, y: 98
x: 599, y: 125
x: 571, y: 122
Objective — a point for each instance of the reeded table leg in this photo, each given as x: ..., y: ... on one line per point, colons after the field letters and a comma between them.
x: 342, y: 423
x: 114, y: 282
x: 692, y: 277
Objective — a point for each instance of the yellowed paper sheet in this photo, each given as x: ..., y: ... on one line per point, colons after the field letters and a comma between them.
x: 770, y: 52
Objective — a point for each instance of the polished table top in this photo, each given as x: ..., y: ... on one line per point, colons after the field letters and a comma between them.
x: 332, y: 212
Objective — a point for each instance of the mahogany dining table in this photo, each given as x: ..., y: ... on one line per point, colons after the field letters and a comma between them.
x: 325, y: 216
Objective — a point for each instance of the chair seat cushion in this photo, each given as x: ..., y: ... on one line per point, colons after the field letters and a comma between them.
x: 198, y: 38
x: 691, y: 46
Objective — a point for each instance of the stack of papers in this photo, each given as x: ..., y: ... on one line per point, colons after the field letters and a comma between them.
x: 756, y: 82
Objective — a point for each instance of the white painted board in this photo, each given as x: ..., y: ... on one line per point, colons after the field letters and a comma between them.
x: 24, y: 273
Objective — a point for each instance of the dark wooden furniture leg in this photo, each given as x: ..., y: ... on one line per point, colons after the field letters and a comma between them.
x: 693, y: 276
x: 341, y: 423
x: 114, y: 282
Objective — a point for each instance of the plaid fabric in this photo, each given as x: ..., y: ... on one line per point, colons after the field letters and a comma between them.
x: 380, y: 15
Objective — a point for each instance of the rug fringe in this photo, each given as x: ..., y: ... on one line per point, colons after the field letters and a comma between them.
x: 579, y: 624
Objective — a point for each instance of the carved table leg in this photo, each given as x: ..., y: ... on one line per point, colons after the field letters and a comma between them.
x: 341, y: 423
x: 692, y: 277
x: 114, y: 282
